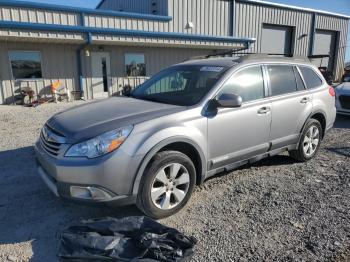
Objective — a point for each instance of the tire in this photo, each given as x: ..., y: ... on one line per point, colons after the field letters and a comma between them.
x: 174, y: 193
x: 301, y: 154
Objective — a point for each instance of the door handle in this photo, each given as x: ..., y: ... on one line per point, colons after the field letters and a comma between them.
x: 264, y: 110
x: 305, y: 100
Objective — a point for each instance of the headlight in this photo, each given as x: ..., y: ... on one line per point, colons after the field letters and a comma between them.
x: 100, y: 145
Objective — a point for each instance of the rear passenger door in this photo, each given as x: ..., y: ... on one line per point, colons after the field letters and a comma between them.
x: 291, y: 104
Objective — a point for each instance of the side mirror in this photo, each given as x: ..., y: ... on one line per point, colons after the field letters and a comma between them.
x: 229, y: 100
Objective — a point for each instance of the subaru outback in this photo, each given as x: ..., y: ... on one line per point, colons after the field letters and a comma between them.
x: 182, y: 126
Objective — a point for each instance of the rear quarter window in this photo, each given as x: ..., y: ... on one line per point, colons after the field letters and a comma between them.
x: 312, y: 80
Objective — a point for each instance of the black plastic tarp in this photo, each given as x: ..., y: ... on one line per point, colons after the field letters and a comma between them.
x: 127, y: 239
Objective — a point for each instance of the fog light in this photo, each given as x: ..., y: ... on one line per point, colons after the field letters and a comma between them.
x: 90, y: 193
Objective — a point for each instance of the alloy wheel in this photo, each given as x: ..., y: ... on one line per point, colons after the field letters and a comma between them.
x: 311, y: 140
x: 170, y: 186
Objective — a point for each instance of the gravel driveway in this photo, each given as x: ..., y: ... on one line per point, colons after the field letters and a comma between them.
x: 276, y: 209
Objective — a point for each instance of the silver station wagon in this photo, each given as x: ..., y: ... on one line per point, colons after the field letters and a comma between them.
x: 185, y: 124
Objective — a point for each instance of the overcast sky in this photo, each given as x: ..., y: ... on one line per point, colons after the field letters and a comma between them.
x: 337, y: 6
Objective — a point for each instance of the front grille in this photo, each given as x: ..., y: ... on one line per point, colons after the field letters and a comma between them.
x: 51, y: 142
x: 344, y: 101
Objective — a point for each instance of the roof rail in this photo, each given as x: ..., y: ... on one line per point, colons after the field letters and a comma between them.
x: 251, y: 55
x: 224, y: 53
x: 269, y: 55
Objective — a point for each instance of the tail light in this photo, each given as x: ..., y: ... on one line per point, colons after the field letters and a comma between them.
x: 331, y: 91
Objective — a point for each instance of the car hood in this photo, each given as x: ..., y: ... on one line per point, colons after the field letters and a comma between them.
x: 343, y: 88
x: 91, y: 119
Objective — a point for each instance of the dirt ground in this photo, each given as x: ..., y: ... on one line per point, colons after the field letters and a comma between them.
x: 274, y: 210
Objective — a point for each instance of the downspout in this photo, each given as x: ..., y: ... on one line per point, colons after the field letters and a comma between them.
x: 233, y: 17
x: 312, y: 35
x: 79, y: 59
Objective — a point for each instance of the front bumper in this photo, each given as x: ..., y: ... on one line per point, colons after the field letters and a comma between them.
x: 111, y: 176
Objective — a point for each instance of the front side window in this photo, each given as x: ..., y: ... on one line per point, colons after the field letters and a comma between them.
x: 248, y: 83
x: 311, y: 79
x: 25, y: 64
x: 135, y: 64
x: 182, y: 85
x: 282, y: 79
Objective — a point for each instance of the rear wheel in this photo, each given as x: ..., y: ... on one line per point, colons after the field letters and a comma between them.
x: 310, y: 141
x: 167, y: 184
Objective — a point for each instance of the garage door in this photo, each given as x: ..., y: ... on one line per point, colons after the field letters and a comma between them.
x: 277, y: 39
x: 325, y: 44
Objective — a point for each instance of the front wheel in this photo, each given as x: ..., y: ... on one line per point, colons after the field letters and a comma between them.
x: 167, y: 184
x: 310, y: 141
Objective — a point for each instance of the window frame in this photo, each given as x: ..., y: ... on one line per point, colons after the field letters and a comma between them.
x: 26, y: 51
x: 265, y: 84
x: 135, y: 53
x: 287, y: 94
x: 269, y: 80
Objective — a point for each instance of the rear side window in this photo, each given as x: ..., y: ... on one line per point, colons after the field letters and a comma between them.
x: 248, y: 83
x: 312, y: 80
x: 282, y: 79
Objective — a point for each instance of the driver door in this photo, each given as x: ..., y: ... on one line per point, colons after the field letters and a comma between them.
x: 236, y: 134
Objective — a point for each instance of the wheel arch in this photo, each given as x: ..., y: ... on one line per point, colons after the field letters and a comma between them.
x: 177, y: 143
x: 320, y: 116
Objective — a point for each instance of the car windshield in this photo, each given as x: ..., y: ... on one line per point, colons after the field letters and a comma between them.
x: 183, y: 85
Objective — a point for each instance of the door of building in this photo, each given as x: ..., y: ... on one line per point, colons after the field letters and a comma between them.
x: 277, y: 39
x: 100, y: 68
x: 325, y: 42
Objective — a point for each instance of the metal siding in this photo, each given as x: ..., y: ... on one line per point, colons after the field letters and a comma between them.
x: 58, y: 63
x: 208, y: 17
x: 137, y: 6
x: 38, y: 16
x: 202, y: 13
x: 250, y: 19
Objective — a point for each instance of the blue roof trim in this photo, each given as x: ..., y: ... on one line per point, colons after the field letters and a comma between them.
x: 15, y: 3
x: 122, y: 32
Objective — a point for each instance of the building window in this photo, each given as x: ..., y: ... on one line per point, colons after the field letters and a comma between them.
x: 135, y: 64
x: 25, y: 64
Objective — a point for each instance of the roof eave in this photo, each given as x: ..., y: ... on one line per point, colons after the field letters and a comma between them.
x: 124, y: 32
x: 298, y: 8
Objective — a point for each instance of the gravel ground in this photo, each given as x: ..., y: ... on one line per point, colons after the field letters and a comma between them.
x: 273, y: 210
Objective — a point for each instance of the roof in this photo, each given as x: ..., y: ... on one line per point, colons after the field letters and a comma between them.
x: 99, y: 4
x: 295, y: 8
x: 278, y: 5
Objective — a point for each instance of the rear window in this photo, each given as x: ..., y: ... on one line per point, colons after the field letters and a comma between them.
x: 312, y: 80
x: 282, y: 79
